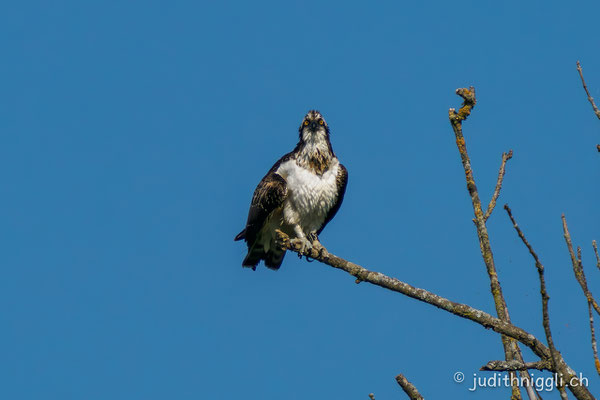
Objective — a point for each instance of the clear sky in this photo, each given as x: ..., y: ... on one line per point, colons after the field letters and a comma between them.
x: 133, y: 134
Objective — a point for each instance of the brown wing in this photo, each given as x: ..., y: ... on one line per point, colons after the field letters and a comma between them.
x: 342, y: 181
x: 269, y: 195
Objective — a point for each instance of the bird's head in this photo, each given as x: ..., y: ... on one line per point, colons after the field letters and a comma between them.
x: 314, y: 128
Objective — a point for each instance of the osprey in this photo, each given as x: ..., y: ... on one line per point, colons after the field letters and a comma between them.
x: 299, y: 195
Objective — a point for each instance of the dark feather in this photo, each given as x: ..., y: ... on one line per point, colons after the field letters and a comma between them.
x: 240, y: 236
x: 268, y: 196
x: 255, y: 254
x: 274, y: 258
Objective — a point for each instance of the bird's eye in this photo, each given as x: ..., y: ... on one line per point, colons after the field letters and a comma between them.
x: 306, y: 123
x: 321, y: 122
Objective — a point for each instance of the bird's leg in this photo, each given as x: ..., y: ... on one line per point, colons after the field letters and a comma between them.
x: 313, y: 238
x: 281, y: 239
x: 316, y: 244
x: 305, y: 244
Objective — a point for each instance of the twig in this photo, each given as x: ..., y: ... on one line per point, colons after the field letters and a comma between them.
x: 587, y: 92
x: 505, y: 158
x: 578, y: 267
x: 514, y: 365
x: 511, y: 349
x: 580, y: 276
x: 594, y: 346
x: 590, y: 313
x: 320, y: 253
x: 410, y: 389
x: 596, y: 253
x: 545, y: 316
x: 590, y: 98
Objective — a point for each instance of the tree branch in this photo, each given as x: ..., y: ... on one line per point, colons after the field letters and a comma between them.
x: 587, y: 92
x: 578, y: 267
x: 410, y: 389
x: 592, y: 331
x: 511, y: 349
x: 544, y: 293
x: 456, y: 119
x: 590, y: 98
x: 580, y: 276
x: 505, y: 158
x: 320, y: 253
x: 514, y: 365
x: 596, y: 253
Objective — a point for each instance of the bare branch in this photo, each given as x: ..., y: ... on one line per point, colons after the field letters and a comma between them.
x: 590, y: 312
x: 456, y: 119
x: 587, y: 92
x: 596, y: 253
x: 320, y: 253
x: 593, y: 332
x: 538, y: 264
x: 514, y: 365
x: 590, y: 98
x: 578, y: 267
x: 545, y: 316
x: 511, y: 349
x: 410, y: 389
x: 505, y: 158
x: 580, y: 276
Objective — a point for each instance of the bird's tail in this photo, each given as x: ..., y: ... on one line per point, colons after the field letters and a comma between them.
x: 255, y: 254
x: 240, y: 236
x: 274, y: 258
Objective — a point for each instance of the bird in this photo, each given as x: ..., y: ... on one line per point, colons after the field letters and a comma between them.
x: 299, y: 196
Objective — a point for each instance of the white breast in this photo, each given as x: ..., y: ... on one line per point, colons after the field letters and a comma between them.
x: 310, y: 196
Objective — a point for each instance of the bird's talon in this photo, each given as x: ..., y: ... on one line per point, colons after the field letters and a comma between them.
x: 322, y: 252
x: 282, y: 239
x: 306, y: 247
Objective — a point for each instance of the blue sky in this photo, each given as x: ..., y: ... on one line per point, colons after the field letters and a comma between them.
x: 134, y: 133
